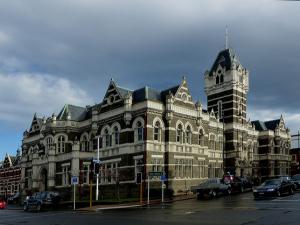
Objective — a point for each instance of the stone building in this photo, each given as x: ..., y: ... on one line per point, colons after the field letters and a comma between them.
x: 251, y: 148
x: 147, y: 130
x: 10, y: 175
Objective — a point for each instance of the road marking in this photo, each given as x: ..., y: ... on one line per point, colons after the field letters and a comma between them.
x: 285, y: 200
x: 118, y: 207
x: 189, y: 212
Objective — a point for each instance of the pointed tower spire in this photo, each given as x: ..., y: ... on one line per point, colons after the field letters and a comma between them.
x: 226, y: 37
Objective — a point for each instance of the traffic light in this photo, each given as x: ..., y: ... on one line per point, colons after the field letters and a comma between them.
x: 139, y: 178
x: 97, y: 168
x: 92, y: 165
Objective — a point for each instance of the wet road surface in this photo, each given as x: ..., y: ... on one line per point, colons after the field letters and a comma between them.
x: 240, y: 209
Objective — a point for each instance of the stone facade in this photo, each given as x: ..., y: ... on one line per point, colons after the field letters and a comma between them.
x: 144, y: 130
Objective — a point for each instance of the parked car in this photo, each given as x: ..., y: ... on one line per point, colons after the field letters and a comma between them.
x: 296, y: 181
x: 2, y: 203
x: 238, y: 184
x: 41, y: 200
x: 288, y: 179
x: 274, y: 187
x: 212, y: 187
x: 14, y: 198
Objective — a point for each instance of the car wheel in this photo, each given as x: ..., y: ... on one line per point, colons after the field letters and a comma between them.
x: 291, y: 192
x: 242, y: 189
x: 229, y: 191
x: 38, y: 207
x: 278, y: 193
x: 213, y: 193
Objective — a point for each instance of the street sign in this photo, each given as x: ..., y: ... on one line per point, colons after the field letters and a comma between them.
x: 164, y: 186
x: 74, y: 180
x: 163, y: 178
x: 155, y: 174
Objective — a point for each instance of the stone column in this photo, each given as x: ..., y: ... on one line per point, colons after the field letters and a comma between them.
x: 35, y: 172
x: 51, y: 168
x: 75, y: 159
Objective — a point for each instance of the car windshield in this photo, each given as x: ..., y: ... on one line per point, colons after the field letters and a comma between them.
x: 271, y: 182
x: 296, y: 177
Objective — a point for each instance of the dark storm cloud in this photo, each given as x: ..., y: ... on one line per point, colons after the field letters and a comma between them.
x: 155, y: 43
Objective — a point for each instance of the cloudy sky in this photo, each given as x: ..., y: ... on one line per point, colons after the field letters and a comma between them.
x: 65, y: 51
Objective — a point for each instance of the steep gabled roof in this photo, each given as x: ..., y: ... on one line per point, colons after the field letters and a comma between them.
x: 123, y: 91
x: 146, y: 93
x: 259, y: 125
x: 226, y: 58
x: 77, y: 113
x: 272, y: 124
x: 172, y: 90
x: 267, y: 125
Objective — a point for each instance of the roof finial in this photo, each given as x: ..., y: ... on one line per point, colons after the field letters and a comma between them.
x: 226, y: 37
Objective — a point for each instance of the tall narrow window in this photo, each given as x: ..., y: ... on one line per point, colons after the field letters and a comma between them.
x: 85, y: 144
x: 220, y: 109
x: 221, y: 78
x: 201, y: 138
x: 139, y: 131
x: 212, y: 142
x: 49, y: 142
x: 61, y: 144
x: 107, y: 138
x: 217, y: 80
x: 116, y: 135
x: 157, y: 131
x: 188, y: 135
x: 179, y: 133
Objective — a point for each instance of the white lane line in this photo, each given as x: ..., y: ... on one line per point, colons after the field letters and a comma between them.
x: 118, y: 207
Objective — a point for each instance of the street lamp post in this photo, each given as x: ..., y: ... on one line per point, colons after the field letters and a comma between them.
x: 98, y: 161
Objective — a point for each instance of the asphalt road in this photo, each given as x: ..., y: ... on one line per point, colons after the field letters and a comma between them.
x: 238, y: 209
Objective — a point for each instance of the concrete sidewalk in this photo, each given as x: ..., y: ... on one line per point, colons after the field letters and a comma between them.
x: 98, y: 208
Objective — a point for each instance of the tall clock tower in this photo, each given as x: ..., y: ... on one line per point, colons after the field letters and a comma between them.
x: 226, y: 87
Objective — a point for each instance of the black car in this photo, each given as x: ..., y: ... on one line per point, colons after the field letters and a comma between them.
x: 274, y: 187
x: 238, y: 184
x: 212, y: 187
x: 296, y: 181
x: 41, y: 200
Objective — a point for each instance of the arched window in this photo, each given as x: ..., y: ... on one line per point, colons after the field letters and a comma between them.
x: 116, y: 135
x: 221, y: 78
x: 157, y: 131
x: 61, y: 144
x: 217, y: 80
x: 179, y: 133
x: 188, y: 135
x: 139, y: 131
x: 107, y: 138
x: 49, y: 142
x: 201, y: 138
x: 84, y: 144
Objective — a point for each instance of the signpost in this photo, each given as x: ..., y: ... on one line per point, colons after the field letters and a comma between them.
x: 74, y: 181
x: 163, y: 186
